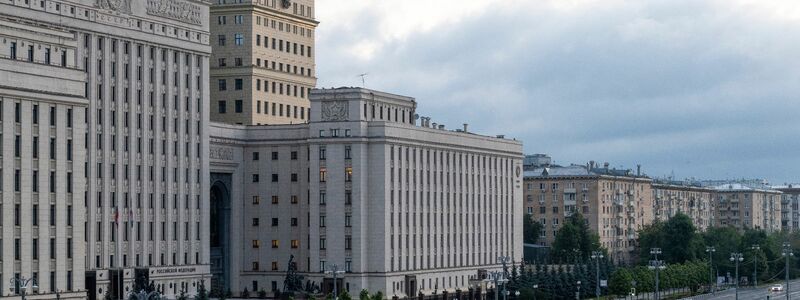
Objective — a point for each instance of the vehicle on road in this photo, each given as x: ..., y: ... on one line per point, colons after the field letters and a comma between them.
x: 776, y: 288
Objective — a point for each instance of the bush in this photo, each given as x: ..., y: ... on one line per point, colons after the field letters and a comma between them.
x: 245, y: 294
x: 262, y: 294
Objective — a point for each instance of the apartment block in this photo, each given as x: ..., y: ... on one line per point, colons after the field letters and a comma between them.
x: 745, y: 207
x: 790, y: 214
x: 672, y: 197
x: 262, y: 64
x: 616, y: 203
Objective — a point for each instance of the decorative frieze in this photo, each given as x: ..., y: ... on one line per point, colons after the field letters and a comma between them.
x: 175, y: 9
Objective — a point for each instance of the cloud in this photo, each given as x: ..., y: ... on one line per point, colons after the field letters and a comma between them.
x: 702, y: 88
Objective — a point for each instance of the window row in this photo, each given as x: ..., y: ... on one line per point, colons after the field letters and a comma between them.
x: 275, y: 200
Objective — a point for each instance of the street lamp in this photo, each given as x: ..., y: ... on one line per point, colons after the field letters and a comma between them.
x: 504, y: 260
x: 712, y: 283
x: 656, y: 265
x: 597, y: 256
x: 335, y: 271
x: 755, y: 264
x: 22, y: 283
x: 535, y: 287
x: 578, y: 294
x: 787, y: 252
x: 737, y: 257
x: 497, y: 278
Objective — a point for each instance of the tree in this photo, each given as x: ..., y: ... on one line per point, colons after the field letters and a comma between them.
x: 245, y: 294
x: 574, y: 240
x: 378, y: 296
x: 531, y: 230
x: 681, y: 239
x: 262, y: 294
x: 364, y: 295
x: 202, y: 294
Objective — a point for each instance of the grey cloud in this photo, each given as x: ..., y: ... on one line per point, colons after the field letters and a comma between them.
x: 702, y: 89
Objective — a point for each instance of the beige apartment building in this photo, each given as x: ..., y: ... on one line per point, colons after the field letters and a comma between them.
x: 790, y: 213
x: 262, y: 63
x: 672, y: 197
x: 616, y: 203
x: 744, y: 207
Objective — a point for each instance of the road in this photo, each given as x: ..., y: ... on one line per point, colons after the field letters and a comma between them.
x: 760, y: 293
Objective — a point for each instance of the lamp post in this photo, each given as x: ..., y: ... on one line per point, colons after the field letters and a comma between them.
x: 497, y: 278
x: 22, y: 282
x: 597, y: 256
x: 737, y: 257
x: 787, y: 252
x: 535, y: 287
x: 755, y: 264
x: 656, y: 265
x: 504, y: 260
x: 335, y: 271
x: 712, y: 283
x: 578, y: 294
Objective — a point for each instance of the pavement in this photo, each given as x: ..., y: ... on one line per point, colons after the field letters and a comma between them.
x: 750, y: 293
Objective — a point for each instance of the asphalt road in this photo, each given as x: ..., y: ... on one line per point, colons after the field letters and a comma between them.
x: 760, y: 293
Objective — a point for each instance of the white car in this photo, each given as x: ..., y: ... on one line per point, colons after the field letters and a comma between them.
x: 776, y: 288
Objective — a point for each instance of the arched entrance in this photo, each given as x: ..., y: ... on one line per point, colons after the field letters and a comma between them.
x: 220, y: 211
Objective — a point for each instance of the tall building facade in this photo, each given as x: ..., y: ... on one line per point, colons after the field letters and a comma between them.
x: 745, y: 207
x: 42, y: 106
x: 117, y: 89
x: 262, y: 66
x: 790, y: 200
x: 616, y: 203
x: 672, y: 197
x: 401, y: 208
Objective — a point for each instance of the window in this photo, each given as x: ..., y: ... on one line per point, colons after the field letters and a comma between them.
x: 322, y: 247
x: 321, y: 152
x: 255, y: 266
x: 275, y: 244
x: 347, y: 152
x: 256, y: 200
x: 238, y: 106
x: 256, y: 244
x: 274, y: 155
x: 274, y: 177
x: 223, y: 84
x: 295, y: 244
x: 238, y: 39
x: 321, y: 221
x: 275, y: 199
x: 294, y: 155
x: 255, y: 177
x: 321, y: 198
x: 238, y: 84
x: 294, y: 199
x: 274, y: 222
x: 294, y: 222
x: 221, y: 40
x: 222, y: 107
x: 255, y: 221
x: 348, y: 174
x: 255, y: 155
x: 323, y: 174
x: 294, y: 177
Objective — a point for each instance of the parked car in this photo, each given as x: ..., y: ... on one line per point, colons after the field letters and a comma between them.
x: 776, y: 288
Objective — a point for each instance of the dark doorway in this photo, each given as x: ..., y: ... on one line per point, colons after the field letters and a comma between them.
x: 411, y: 285
x: 327, y: 285
x: 116, y: 291
x: 219, y: 225
x: 141, y: 279
x: 91, y: 285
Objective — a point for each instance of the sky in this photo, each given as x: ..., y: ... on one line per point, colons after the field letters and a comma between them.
x: 686, y: 88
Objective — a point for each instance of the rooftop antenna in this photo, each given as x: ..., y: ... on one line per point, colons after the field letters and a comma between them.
x: 363, y: 79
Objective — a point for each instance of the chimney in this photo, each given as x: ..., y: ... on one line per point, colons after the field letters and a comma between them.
x: 591, y: 164
x: 465, y: 127
x: 605, y: 165
x: 441, y: 126
x: 434, y: 125
x: 638, y: 170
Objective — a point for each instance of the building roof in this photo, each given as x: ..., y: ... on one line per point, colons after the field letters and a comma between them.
x: 738, y: 187
x: 578, y: 170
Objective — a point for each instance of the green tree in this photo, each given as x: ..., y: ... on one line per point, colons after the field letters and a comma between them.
x: 344, y: 295
x: 574, y: 240
x: 681, y: 240
x: 378, y: 296
x: 531, y: 230
x: 364, y: 295
x: 620, y: 282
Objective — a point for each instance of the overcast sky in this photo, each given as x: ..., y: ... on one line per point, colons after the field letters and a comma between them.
x: 706, y: 89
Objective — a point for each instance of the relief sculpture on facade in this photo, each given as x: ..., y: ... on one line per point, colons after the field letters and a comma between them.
x: 175, y: 9
x: 221, y: 153
x: 334, y: 111
x: 120, y: 6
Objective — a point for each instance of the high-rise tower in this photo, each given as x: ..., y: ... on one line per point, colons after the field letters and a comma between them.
x: 262, y: 66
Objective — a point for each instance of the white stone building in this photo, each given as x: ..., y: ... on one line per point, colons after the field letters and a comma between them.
x: 124, y: 85
x: 402, y: 208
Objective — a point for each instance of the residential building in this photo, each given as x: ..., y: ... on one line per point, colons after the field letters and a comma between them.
x: 790, y: 214
x: 106, y: 103
x: 745, y: 207
x: 689, y: 198
x: 616, y: 203
x: 262, y: 65
x: 402, y: 208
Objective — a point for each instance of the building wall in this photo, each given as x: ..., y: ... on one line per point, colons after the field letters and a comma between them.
x: 42, y: 156
x: 742, y: 209
x: 425, y: 206
x: 268, y: 48
x: 144, y: 72
x: 695, y: 202
x: 790, y: 214
x: 615, y: 207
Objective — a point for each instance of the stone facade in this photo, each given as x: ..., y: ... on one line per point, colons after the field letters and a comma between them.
x: 790, y: 214
x: 744, y: 207
x: 402, y: 209
x: 616, y: 203
x: 262, y: 66
x: 672, y: 197
x: 123, y: 84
